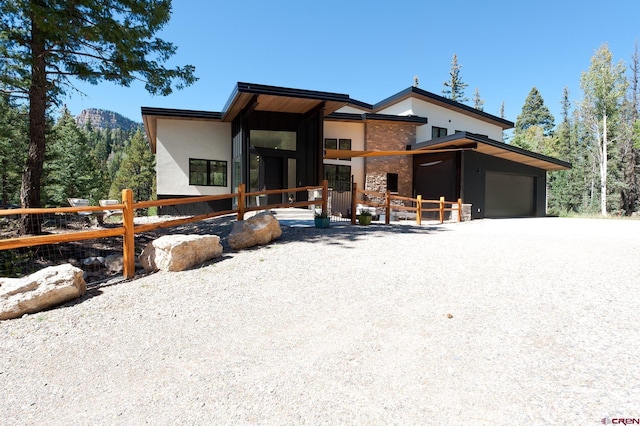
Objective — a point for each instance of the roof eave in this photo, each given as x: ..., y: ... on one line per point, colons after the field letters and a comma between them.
x: 444, y: 102
x: 345, y: 116
x: 552, y: 163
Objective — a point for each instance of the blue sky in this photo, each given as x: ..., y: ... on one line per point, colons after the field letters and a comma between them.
x: 372, y: 49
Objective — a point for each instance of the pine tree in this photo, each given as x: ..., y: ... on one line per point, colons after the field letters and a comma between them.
x: 454, y: 88
x: 71, y: 170
x: 534, y: 125
x: 534, y: 113
x: 46, y: 43
x: 137, y: 170
x: 13, y: 143
x: 629, y: 149
x: 566, y: 187
x: 477, y: 100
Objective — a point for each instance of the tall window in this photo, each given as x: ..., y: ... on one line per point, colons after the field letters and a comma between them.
x: 338, y: 177
x: 207, y: 172
x: 438, y: 132
x: 341, y: 144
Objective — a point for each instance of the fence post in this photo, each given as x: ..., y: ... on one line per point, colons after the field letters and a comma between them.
x: 441, y: 209
x: 354, y: 196
x: 387, y: 216
x: 241, y: 198
x: 459, y: 209
x: 419, y: 210
x: 128, y: 240
x: 325, y: 196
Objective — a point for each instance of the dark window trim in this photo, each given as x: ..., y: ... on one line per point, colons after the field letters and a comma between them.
x: 209, y: 168
x: 338, y: 141
x: 436, y: 132
x: 337, y: 185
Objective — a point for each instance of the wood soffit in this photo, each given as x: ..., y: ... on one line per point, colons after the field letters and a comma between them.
x: 275, y: 103
x: 533, y: 160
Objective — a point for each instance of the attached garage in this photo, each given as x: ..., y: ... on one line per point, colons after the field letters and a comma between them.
x: 497, y: 179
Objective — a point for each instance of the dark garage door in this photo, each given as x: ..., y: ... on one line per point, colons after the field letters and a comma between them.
x: 509, y: 195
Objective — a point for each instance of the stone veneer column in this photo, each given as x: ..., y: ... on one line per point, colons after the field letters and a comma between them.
x: 389, y: 136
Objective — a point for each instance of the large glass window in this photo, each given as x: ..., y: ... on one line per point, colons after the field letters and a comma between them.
x: 263, y: 145
x: 273, y: 139
x: 338, y: 177
x: 207, y: 172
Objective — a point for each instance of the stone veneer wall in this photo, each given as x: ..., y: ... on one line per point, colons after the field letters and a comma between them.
x: 386, y: 136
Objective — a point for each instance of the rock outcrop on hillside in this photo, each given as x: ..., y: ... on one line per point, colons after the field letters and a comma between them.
x: 103, y: 119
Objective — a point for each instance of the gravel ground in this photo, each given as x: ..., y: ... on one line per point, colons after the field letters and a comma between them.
x: 523, y: 321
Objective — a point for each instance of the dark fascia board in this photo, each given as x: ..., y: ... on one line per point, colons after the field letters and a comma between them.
x: 486, y: 140
x: 181, y: 113
x: 261, y: 89
x: 359, y: 104
x: 381, y: 117
x: 506, y: 124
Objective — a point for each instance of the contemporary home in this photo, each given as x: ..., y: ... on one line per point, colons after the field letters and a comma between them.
x: 414, y: 142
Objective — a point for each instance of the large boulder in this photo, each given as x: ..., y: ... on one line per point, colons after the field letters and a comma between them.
x: 258, y: 230
x: 41, y: 290
x: 179, y: 252
x: 114, y: 263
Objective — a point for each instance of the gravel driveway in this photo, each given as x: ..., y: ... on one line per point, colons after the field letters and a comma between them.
x: 522, y: 321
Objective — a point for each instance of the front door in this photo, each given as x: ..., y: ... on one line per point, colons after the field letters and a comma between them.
x: 274, y: 177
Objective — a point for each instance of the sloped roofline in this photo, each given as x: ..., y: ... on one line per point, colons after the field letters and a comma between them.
x: 443, y: 102
x: 485, y: 145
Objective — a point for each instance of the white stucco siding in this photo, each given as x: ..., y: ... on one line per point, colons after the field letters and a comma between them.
x: 180, y: 140
x: 452, y: 121
x: 403, y: 108
x: 355, y: 132
x: 442, y: 117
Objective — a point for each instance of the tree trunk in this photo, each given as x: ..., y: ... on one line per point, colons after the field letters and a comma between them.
x: 603, y: 168
x: 31, y: 178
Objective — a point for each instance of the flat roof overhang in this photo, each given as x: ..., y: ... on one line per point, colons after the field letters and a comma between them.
x: 462, y: 141
x: 255, y: 97
x: 493, y: 148
x: 260, y: 97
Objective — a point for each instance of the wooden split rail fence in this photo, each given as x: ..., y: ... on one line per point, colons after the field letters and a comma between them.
x: 129, y: 229
x: 418, y: 207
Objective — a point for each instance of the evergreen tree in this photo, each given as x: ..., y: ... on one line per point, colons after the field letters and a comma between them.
x: 454, y: 88
x: 13, y: 143
x: 629, y: 150
x: 567, y: 188
x: 46, y: 43
x: 534, y: 113
x: 113, y: 163
x: 477, y: 100
x: 604, y: 86
x: 534, y: 125
x: 137, y: 170
x: 71, y: 170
